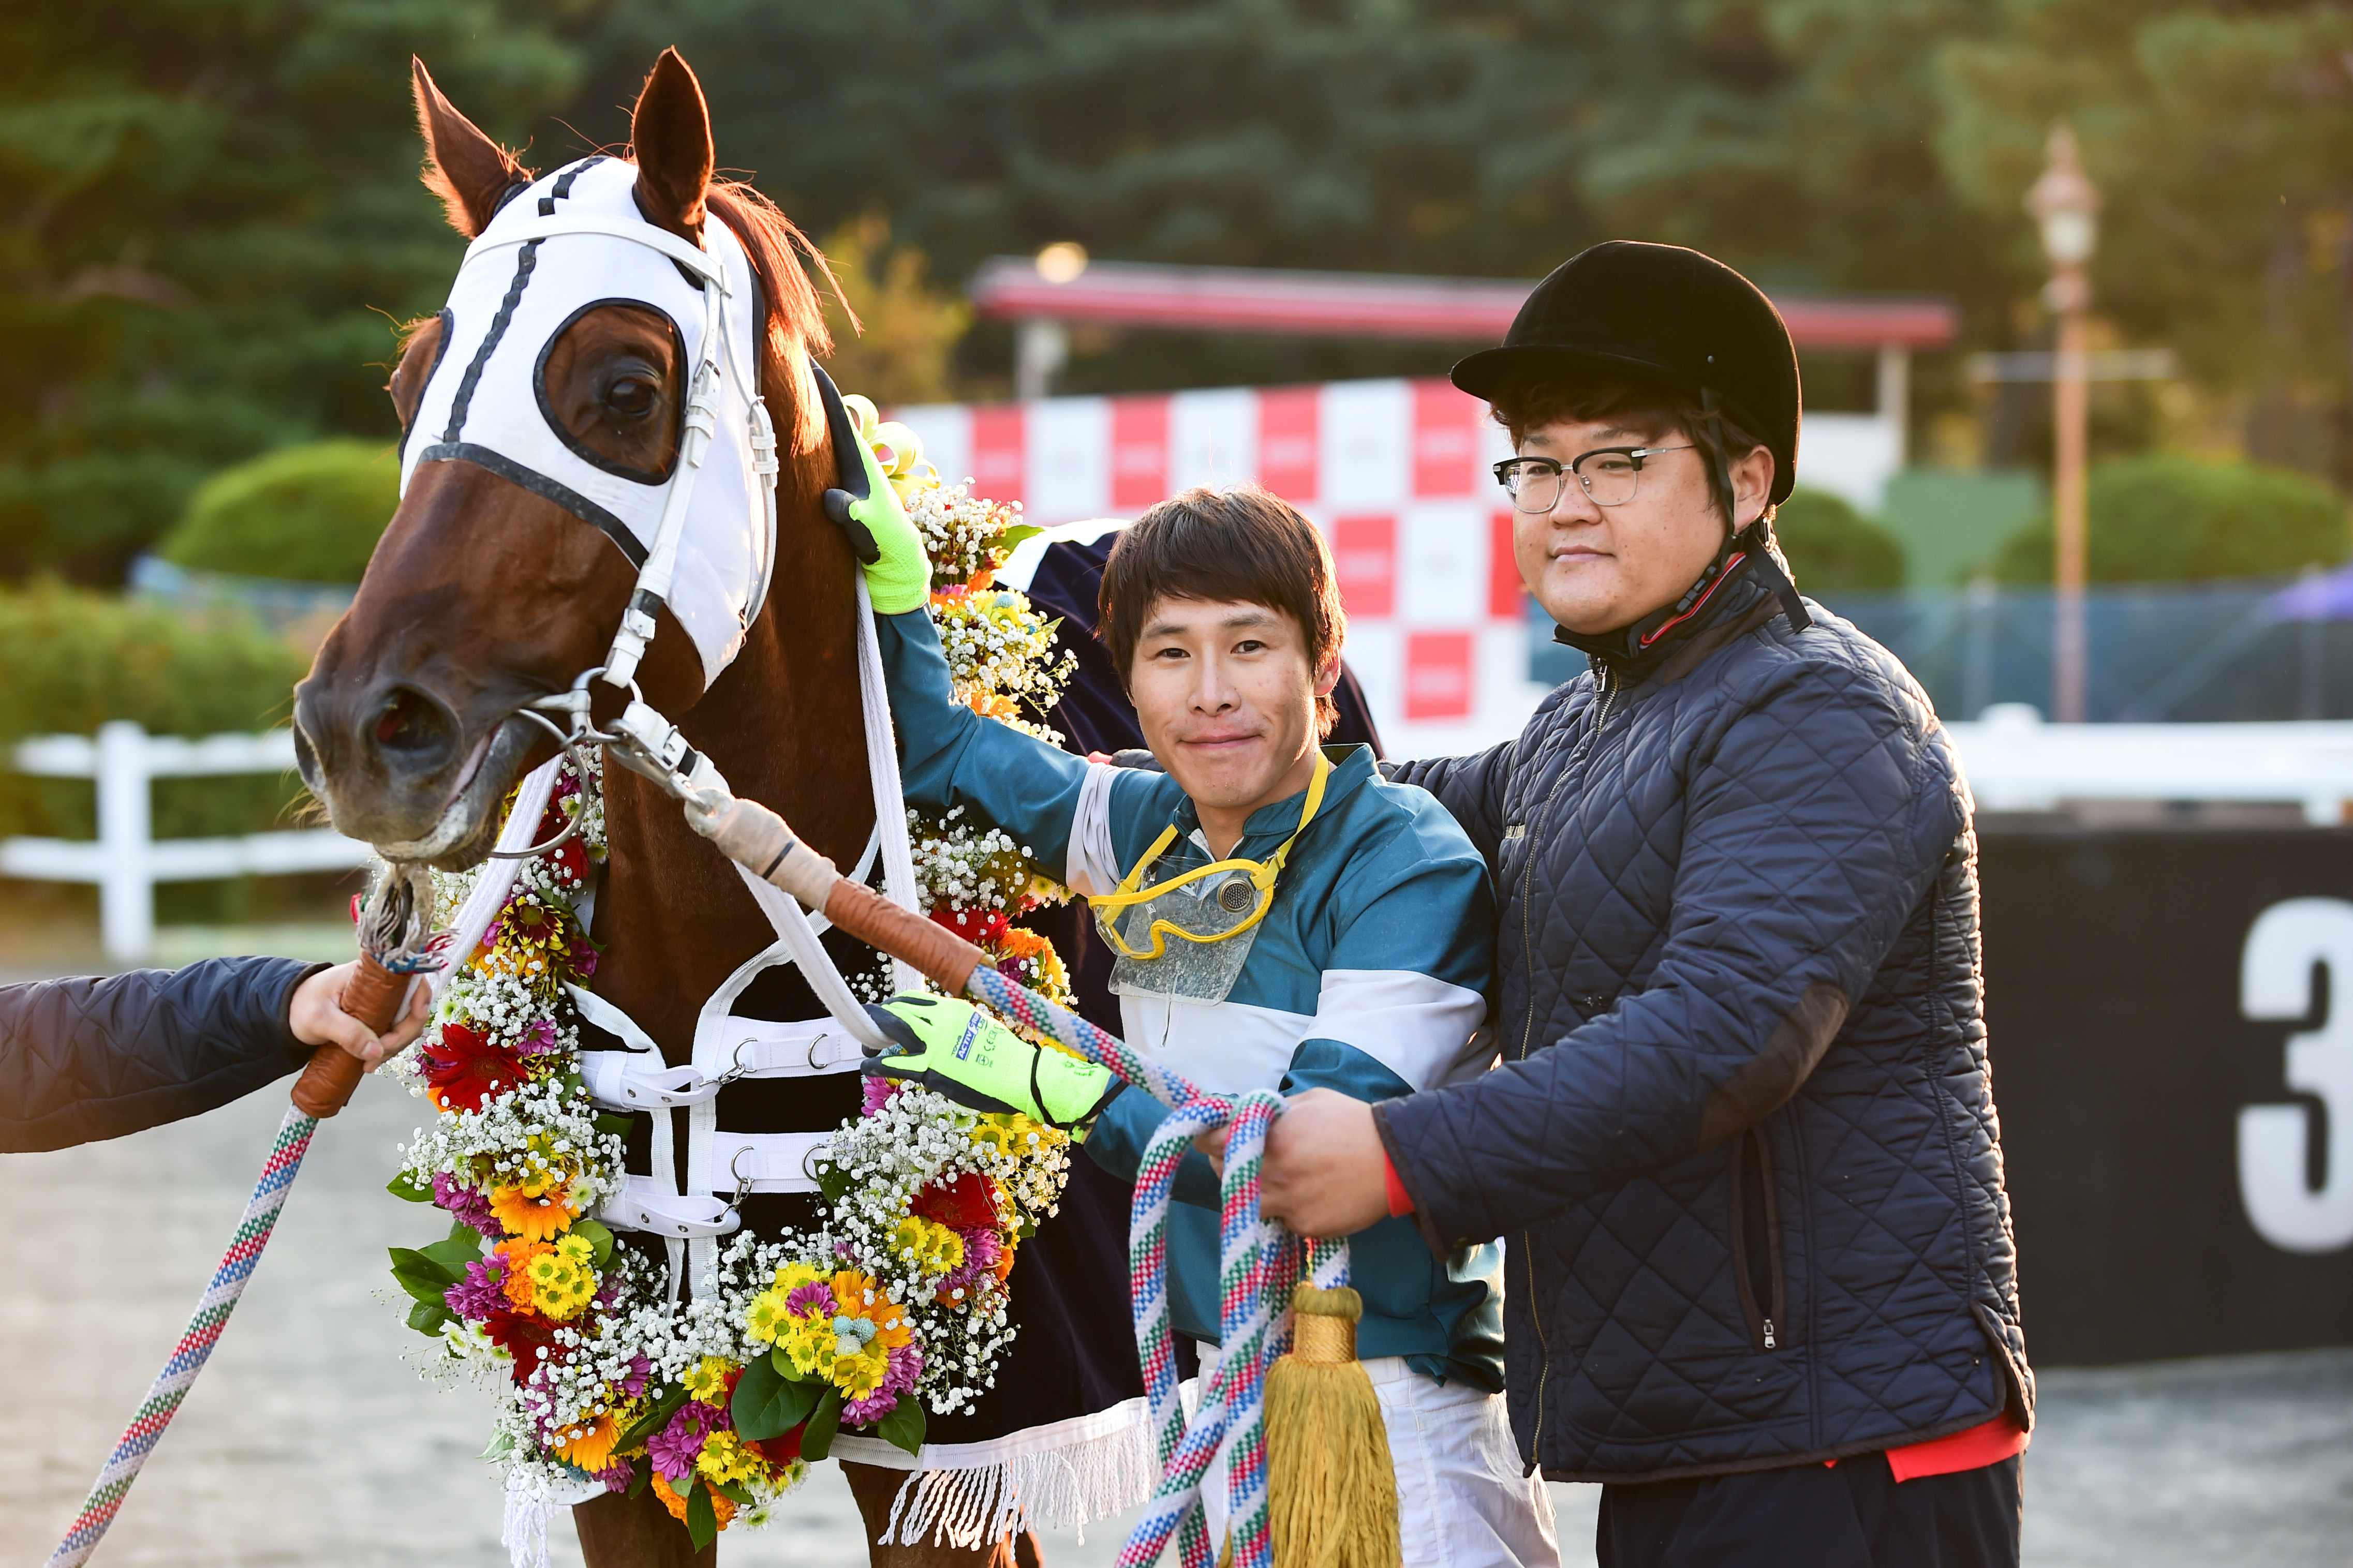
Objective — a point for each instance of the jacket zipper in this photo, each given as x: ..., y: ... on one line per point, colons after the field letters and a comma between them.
x: 1609, y: 689
x: 1767, y: 1321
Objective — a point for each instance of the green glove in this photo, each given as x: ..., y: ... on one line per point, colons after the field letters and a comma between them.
x: 898, y: 578
x: 953, y: 1048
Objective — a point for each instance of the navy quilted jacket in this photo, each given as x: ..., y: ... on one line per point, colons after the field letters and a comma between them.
x: 86, y: 1059
x: 1742, y: 1146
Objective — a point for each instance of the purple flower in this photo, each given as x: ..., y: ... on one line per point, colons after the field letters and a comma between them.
x: 875, y: 1094
x: 483, y: 1290
x: 581, y: 954
x: 814, y: 1295
x: 538, y: 1040
x: 635, y: 1382
x: 465, y: 1203
x: 906, y: 1366
x: 981, y: 1248
x: 619, y: 1477
x: 676, y: 1447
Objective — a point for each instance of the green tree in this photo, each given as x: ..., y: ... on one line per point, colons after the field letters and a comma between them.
x: 900, y: 350
x: 311, y: 513
x: 210, y: 211
x: 2166, y: 519
x: 1833, y: 548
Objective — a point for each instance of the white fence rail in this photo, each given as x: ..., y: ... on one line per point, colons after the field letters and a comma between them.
x: 125, y: 860
x: 2017, y: 763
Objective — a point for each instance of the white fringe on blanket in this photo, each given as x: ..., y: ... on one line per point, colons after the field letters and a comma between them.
x: 1062, y: 1477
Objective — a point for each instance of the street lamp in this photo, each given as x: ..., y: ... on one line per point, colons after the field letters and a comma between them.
x: 2067, y: 207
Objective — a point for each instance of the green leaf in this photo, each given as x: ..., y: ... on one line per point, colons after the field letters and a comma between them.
x: 817, y: 1437
x: 462, y: 1246
x: 702, y: 1518
x: 424, y: 1277
x: 639, y: 1479
x: 735, y: 1492
x: 769, y: 1404
x: 653, y: 1420
x: 408, y: 1189
x: 832, y: 1181
x: 501, y: 1446
x: 904, y: 1427
x: 615, y: 1122
x: 595, y: 1235
x: 426, y: 1318
x: 1018, y: 532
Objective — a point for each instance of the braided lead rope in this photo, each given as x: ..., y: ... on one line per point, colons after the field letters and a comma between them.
x: 1257, y: 1263
x: 196, y: 1346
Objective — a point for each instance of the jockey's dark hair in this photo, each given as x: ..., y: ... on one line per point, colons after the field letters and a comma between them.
x: 1231, y: 546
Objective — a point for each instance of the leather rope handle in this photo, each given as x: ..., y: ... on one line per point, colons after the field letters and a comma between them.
x: 902, y: 934
x: 374, y: 996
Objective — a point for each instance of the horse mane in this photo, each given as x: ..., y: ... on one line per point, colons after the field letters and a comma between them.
x: 796, y: 318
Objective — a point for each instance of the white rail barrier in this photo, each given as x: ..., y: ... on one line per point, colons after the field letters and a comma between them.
x: 2017, y: 763
x: 125, y: 860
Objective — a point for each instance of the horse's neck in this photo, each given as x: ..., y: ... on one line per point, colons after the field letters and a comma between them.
x: 783, y: 725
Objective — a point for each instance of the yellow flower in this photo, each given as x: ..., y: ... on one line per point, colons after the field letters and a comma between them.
x: 793, y: 1275
x: 561, y: 1284
x: 809, y: 1341
x: 725, y: 1458
x: 589, y: 1444
x: 766, y: 1318
x: 930, y: 1246
x: 707, y: 1379
x: 519, y: 1257
x: 867, y: 1325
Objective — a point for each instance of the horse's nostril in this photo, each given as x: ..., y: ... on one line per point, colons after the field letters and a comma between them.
x: 412, y: 723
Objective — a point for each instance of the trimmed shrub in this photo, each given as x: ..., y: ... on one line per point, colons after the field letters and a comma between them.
x: 76, y: 658
x: 304, y: 514
x: 1833, y: 548
x: 2167, y: 519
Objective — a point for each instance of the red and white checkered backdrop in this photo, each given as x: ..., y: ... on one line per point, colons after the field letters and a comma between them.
x: 1394, y: 472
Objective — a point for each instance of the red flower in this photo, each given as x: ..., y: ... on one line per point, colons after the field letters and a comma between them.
x: 778, y: 1451
x: 526, y: 1336
x: 982, y: 928
x: 968, y: 1203
x: 465, y: 1067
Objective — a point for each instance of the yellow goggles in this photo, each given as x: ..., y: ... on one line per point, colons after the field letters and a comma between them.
x: 1262, y: 875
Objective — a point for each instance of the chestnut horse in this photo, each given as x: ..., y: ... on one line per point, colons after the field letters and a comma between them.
x: 485, y: 595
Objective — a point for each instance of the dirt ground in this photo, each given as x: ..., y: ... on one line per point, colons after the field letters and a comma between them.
x: 310, y: 1440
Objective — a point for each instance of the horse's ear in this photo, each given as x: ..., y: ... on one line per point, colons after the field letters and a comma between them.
x: 669, y: 135
x: 471, y: 172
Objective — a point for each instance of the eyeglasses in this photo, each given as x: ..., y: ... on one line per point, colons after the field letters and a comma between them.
x: 1609, y: 474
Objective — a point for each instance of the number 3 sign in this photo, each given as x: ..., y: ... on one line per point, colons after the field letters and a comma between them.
x: 2275, y: 983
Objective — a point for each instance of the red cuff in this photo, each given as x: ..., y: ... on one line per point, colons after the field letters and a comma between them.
x: 1400, y: 1201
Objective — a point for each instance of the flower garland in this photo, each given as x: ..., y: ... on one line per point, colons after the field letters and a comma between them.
x: 895, y: 1307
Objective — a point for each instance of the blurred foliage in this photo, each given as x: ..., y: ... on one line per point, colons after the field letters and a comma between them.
x: 76, y: 659
x: 2166, y: 519
x: 211, y: 209
x: 311, y: 513
x: 1833, y: 548
x: 910, y: 327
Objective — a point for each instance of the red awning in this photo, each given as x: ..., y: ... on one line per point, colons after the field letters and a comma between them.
x: 1384, y: 305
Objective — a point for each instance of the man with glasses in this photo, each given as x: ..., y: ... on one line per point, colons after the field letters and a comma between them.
x: 1281, y: 917
x: 1742, y: 1141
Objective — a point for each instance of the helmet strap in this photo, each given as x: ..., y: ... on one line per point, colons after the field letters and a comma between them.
x: 1757, y: 538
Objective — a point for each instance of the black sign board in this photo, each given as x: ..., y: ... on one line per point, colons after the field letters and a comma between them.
x: 2171, y: 1019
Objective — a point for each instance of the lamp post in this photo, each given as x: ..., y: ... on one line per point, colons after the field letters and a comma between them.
x: 2067, y: 205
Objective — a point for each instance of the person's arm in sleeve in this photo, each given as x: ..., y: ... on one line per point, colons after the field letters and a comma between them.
x: 953, y: 757
x: 1471, y: 789
x: 1809, y: 839
x: 100, y: 1056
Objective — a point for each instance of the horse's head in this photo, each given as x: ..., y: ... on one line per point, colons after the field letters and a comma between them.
x: 544, y: 426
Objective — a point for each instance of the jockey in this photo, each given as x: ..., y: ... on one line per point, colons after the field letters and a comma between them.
x: 86, y: 1059
x: 1283, y: 917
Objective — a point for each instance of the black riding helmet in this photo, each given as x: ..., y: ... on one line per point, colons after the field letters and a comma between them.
x: 1664, y: 316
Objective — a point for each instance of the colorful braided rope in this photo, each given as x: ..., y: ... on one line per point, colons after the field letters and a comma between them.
x: 1257, y: 1263
x: 196, y: 1346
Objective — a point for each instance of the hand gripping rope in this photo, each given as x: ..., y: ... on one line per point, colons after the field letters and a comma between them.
x: 1258, y: 1262
x: 375, y: 997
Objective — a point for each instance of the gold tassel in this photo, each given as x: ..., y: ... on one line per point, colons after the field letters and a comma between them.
x: 1331, y: 1485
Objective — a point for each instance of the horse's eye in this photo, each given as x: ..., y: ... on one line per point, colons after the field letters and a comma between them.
x: 630, y: 395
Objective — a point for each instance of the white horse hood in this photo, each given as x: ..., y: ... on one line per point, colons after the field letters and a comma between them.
x: 566, y: 244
